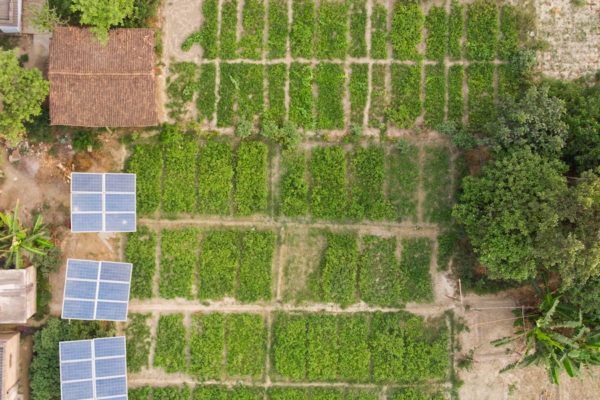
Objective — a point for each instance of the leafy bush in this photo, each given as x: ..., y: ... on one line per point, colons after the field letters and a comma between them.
x: 379, y: 93
x: 436, y: 182
x: 181, y: 85
x: 511, y: 245
x: 301, y: 96
x: 455, y: 30
x: 328, y: 195
x: 368, y: 176
x: 278, y: 28
x: 178, y: 261
x: 244, y: 129
x: 44, y: 372
x: 381, y: 281
x: 102, y: 14
x: 180, y: 171
x: 480, y: 78
x: 402, y: 182
x: 255, y: 267
x: 228, y: 39
x: 45, y: 265
x: 246, y: 343
x: 437, y: 41
x: 415, y: 262
x: 276, y: 78
x: 207, y: 341
x: 227, y: 93
x: 207, y: 35
x: 293, y: 187
x: 359, y: 91
x: 215, y: 178
x: 322, y: 350
x: 406, y: 100
x: 170, y: 344
x: 140, y: 250
x: 332, y: 30
x: 482, y: 30
x: 144, y: 11
x: 253, y: 22
x: 147, y: 163
x: 338, y: 272
x: 330, y: 83
x: 435, y: 96
x: 354, y: 360
x: 251, y: 186
x: 290, y: 346
x: 358, y: 26
x: 287, y: 135
x: 219, y: 264
x: 206, y: 100
x: 407, y: 27
x: 536, y: 120
x: 302, y: 31
x: 379, y: 33
x: 456, y: 104
x: 138, y: 342
x: 86, y: 140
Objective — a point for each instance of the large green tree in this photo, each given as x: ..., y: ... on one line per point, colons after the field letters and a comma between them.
x: 101, y: 15
x: 511, y: 213
x: 22, y: 92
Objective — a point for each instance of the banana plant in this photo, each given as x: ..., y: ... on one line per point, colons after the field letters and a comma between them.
x: 557, y: 338
x: 17, y: 242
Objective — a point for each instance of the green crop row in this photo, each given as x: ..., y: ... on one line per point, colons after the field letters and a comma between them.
x: 253, y: 22
x: 332, y: 29
x: 510, y: 26
x: 407, y: 29
x: 480, y: 78
x: 178, y: 260
x: 138, y: 341
x: 140, y: 250
x: 437, y: 185
x: 301, y: 96
x: 382, y: 348
x: 437, y: 42
x: 180, y: 152
x: 379, y: 34
x: 482, y: 30
x: 278, y: 28
x: 147, y: 163
x: 456, y: 105
x: 181, y: 86
x: 382, y: 282
x: 330, y: 83
x: 206, y: 100
x: 227, y: 94
x: 379, y: 96
x: 455, y: 30
x: 328, y: 194
x: 415, y: 262
x: 302, y: 30
x: 359, y: 92
x: 338, y: 271
x: 358, y: 27
x: 207, y: 341
x: 293, y: 185
x: 170, y: 344
x: 405, y: 104
x: 367, y: 168
x: 228, y: 38
x: 249, y: 82
x: 276, y: 78
x: 215, y: 178
x: 403, y: 180
x: 435, y: 95
x: 206, y: 37
x: 251, y: 178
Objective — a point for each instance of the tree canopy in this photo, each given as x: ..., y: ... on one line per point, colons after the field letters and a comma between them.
x: 22, y: 92
x: 101, y: 15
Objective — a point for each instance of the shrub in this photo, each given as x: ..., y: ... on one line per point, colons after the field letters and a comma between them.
x: 302, y: 31
x: 140, y: 250
x: 178, y: 262
x: 482, y: 30
x: 359, y: 91
x: 147, y: 163
x: 330, y: 83
x: 144, y: 11
x: 381, y: 282
x: 278, y: 28
x: 207, y: 341
x: 138, y: 342
x: 379, y: 33
x: 251, y: 186
x: 253, y: 21
x: 328, y: 195
x: 407, y: 27
x: 358, y: 26
x: 332, y: 30
x: 406, y: 100
x: 102, y: 14
x: 170, y: 344
x: 86, y: 140
x: 244, y: 129
x: 215, y: 178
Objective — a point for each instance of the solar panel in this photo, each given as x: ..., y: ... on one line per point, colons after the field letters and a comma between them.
x: 103, y: 202
x: 96, y: 290
x: 93, y: 369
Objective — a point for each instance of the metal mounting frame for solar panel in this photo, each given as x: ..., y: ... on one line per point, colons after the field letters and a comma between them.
x: 103, y: 202
x: 96, y: 290
x: 93, y: 369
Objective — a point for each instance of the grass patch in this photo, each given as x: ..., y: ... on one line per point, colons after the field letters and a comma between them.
x: 207, y: 341
x: 379, y: 95
x: 170, y: 344
x: 215, y: 177
x: 368, y: 176
x: 255, y: 274
x: 359, y: 91
x: 482, y: 30
x: 435, y: 95
x: 179, y: 183
x: 455, y: 30
x: 480, y: 78
x: 456, y: 105
x: 278, y: 28
x: 381, y: 282
x: 138, y: 342
x: 402, y: 181
x: 178, y: 261
x: 253, y: 22
x: 219, y: 264
x: 251, y: 173
x: 276, y: 77
x: 228, y: 40
x: 246, y: 341
x: 147, y: 163
x: 437, y: 41
x: 140, y: 250
x: 330, y: 82
x: 415, y: 262
x: 358, y: 27
x: 332, y: 30
x: 406, y: 89
x: 301, y: 96
x: 302, y: 33
x: 293, y: 190
x: 206, y: 100
x: 436, y: 182
x: 407, y: 29
x: 328, y: 195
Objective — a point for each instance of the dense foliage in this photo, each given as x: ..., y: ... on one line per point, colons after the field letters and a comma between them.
x: 102, y: 14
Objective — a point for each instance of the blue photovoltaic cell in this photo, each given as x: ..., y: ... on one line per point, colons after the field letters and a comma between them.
x: 77, y: 309
x: 97, y: 372
x: 96, y: 290
x: 120, y: 222
x: 111, y: 311
x: 86, y: 222
x: 77, y: 390
x: 86, y: 182
x: 123, y: 183
x: 81, y: 289
x: 81, y: 269
x: 115, y: 272
x: 120, y: 202
x: 75, y: 350
x: 83, y: 202
x: 76, y: 371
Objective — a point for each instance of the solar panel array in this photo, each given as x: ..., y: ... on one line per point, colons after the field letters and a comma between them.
x: 103, y: 202
x: 93, y: 369
x: 96, y: 290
